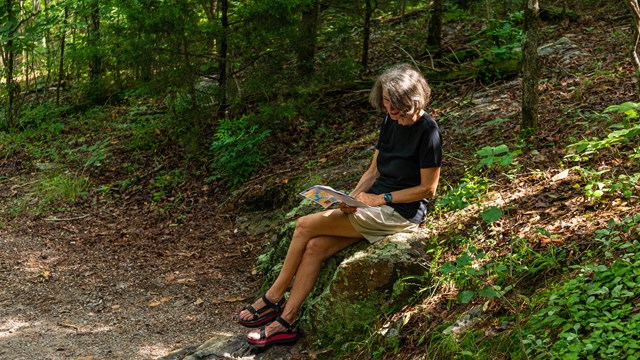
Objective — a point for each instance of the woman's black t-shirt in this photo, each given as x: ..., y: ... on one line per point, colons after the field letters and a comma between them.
x: 403, y: 151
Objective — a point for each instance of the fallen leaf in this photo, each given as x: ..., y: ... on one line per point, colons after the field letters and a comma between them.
x: 198, y: 301
x: 115, y: 307
x: 68, y: 325
x: 234, y: 299
x: 560, y: 176
x: 185, y: 281
x: 545, y: 240
x: 541, y: 204
x: 155, y: 303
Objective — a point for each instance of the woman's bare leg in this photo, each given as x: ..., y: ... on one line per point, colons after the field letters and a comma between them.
x: 332, y: 223
x: 317, y: 250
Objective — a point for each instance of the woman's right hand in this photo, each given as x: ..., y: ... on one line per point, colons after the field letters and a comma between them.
x: 346, y: 208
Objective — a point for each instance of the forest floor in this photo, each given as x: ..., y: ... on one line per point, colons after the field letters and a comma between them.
x: 118, y: 280
x: 123, y: 278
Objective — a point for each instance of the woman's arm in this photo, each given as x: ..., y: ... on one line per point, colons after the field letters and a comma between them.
x: 368, y: 178
x: 426, y: 190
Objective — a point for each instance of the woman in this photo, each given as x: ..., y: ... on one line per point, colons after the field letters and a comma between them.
x: 403, y: 174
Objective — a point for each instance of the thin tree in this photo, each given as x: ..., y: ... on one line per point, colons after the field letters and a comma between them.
x: 530, y: 68
x: 434, y: 39
x: 95, y: 63
x: 210, y: 8
x: 96, y: 70
x: 635, y: 53
x: 308, y: 38
x: 61, y: 62
x: 222, y: 56
x: 366, y: 34
x: 9, y: 63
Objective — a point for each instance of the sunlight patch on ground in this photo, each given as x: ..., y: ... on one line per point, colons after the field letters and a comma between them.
x: 12, y: 327
x: 221, y: 333
x: 153, y: 351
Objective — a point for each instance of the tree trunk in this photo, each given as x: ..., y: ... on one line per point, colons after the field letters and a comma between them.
x: 635, y: 51
x: 49, y: 60
x: 190, y: 75
x: 210, y: 8
x: 530, y: 69
x: 434, y: 38
x: 61, y: 63
x: 489, y: 9
x: 25, y: 52
x: 366, y: 33
x: 222, y: 60
x: 95, y: 62
x: 307, y: 39
x: 10, y: 61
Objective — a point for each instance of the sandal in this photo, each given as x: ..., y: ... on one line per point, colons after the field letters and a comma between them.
x: 290, y: 336
x: 259, y: 316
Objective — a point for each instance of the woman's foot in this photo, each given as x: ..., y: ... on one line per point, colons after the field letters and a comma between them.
x: 261, y: 312
x: 280, y: 332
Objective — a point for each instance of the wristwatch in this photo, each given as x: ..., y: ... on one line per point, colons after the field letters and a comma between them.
x: 387, y: 198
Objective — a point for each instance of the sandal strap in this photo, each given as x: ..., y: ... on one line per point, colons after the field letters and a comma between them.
x: 290, y: 327
x: 269, y: 304
x: 263, y: 334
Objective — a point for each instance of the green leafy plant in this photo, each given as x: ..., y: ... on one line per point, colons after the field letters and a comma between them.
x: 624, y: 133
x: 490, y: 155
x: 498, y: 41
x: 471, y: 188
x: 164, y: 183
x: 238, y: 151
x: 466, y: 271
x: 597, y: 185
x: 592, y: 315
x: 44, y: 116
x: 60, y: 188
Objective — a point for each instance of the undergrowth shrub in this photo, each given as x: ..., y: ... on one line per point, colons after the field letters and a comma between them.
x: 471, y: 189
x: 46, y: 116
x: 623, y: 133
x: 498, y: 41
x: 238, y: 151
x: 595, y: 314
x: 603, y: 183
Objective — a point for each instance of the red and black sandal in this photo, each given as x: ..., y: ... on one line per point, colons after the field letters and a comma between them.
x: 260, y: 317
x: 288, y: 337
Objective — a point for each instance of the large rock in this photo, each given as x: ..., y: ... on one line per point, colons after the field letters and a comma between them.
x: 360, y: 288
x: 234, y: 347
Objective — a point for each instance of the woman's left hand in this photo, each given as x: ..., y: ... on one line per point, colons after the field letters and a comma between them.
x: 346, y: 208
x: 371, y: 199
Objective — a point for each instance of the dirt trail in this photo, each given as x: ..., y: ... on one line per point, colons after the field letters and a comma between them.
x: 119, y: 283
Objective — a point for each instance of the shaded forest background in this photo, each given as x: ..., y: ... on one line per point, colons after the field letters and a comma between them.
x: 164, y: 124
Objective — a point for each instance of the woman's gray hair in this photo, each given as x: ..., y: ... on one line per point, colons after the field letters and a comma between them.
x: 407, y: 89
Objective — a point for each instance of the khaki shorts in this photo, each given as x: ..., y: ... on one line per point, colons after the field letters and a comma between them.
x: 377, y: 222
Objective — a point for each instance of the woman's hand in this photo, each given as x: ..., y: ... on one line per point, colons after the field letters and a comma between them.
x: 371, y: 199
x: 346, y: 208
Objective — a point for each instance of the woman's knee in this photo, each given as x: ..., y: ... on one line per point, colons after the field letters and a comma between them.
x: 305, y: 224
x: 316, y: 248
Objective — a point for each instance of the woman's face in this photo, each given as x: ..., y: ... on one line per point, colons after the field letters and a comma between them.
x: 400, y: 116
x: 386, y: 101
